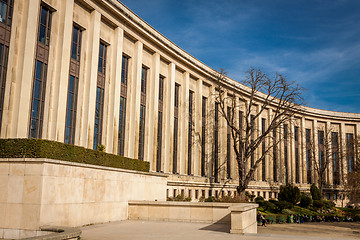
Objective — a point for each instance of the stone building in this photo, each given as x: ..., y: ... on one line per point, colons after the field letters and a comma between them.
x: 91, y: 72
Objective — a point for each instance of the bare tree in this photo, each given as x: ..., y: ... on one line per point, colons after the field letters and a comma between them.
x: 261, y: 93
x: 326, y: 153
x: 352, y: 185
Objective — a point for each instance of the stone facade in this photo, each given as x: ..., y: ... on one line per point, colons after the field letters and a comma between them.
x: 91, y: 72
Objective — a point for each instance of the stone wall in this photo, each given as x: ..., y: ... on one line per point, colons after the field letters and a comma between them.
x: 38, y: 192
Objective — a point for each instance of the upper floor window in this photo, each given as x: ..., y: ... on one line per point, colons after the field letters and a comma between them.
x: 124, y: 69
x: 44, y: 25
x: 161, y: 88
x: 76, y: 44
x: 5, y: 11
x: 102, y: 58
x: 143, y: 79
x: 176, y: 104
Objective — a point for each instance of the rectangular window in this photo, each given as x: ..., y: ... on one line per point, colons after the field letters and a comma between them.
x: 321, y: 150
x: 203, y: 135
x: 263, y: 163
x: 141, y: 132
x: 99, y: 108
x: 216, y: 142
x: 228, y: 147
x: 286, y: 168
x: 161, y: 88
x: 124, y: 69
x: 335, y: 157
x: 6, y: 7
x: 121, y: 130
x: 40, y: 74
x: 275, y: 155
x: 176, y: 112
x: 350, y: 151
x: 70, y: 121
x: 190, y: 128
x: 241, y: 132
x: 308, y: 154
x: 297, y: 161
x: 4, y: 51
x: 100, y: 90
x: 159, y: 141
x: 44, y: 26
x: 71, y: 110
x: 252, y: 157
x: 143, y: 79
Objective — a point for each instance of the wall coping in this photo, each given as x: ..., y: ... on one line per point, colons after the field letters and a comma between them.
x: 243, y: 207
x: 74, y: 164
x: 247, y: 206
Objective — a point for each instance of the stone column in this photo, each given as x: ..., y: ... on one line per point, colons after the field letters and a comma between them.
x: 343, y: 163
x: 133, y: 104
x: 19, y: 76
x: 316, y: 151
x: 152, y: 113
x: 168, y: 118
x: 291, y: 141
x: 89, y: 82
x: 183, y: 123
x: 197, y: 120
x: 270, y: 162
x: 302, y: 150
x: 328, y: 141
x: 114, y: 86
x: 210, y: 116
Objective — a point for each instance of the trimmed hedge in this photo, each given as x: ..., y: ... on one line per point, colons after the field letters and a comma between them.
x: 39, y: 148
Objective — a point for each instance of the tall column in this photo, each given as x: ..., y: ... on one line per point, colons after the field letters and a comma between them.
x: 270, y: 163
x: 17, y: 101
x: 168, y: 133
x: 343, y: 163
x: 58, y: 74
x: 210, y: 116
x: 133, y: 104
x: 291, y: 140
x: 152, y: 113
x: 328, y: 141
x: 183, y: 123
x: 113, y: 91
x: 302, y: 147
x: 197, y: 120
x: 88, y: 97
x: 316, y: 150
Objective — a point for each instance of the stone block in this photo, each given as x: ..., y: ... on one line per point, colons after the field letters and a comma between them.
x: 179, y: 213
x: 140, y: 212
x: 32, y: 189
x: 13, y: 214
x: 15, y: 188
x: 30, y: 216
x: 4, y: 168
x: 201, y: 214
x: 4, y: 179
x: 33, y: 169
x: 11, y: 233
x: 17, y: 169
x: 159, y: 213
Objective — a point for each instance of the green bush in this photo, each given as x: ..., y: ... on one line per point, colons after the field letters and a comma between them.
x: 315, y: 192
x: 259, y: 199
x: 318, y: 204
x: 269, y: 206
x: 39, y: 148
x: 281, y: 205
x: 305, y: 201
x: 289, y: 193
x: 210, y: 199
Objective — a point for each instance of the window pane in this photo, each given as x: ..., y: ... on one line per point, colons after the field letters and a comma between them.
x: 3, y: 7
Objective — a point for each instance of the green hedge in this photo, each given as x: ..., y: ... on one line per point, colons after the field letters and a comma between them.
x: 38, y: 148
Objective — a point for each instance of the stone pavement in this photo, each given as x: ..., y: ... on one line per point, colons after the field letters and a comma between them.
x: 135, y: 230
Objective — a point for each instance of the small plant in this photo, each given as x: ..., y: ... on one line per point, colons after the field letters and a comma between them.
x: 305, y: 201
x: 289, y: 193
x: 100, y: 148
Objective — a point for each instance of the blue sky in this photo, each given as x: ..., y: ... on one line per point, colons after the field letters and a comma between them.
x: 314, y: 43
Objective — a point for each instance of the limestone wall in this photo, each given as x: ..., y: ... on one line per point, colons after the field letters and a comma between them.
x: 38, y: 192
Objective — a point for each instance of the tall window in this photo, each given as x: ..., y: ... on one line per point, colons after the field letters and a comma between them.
x: 73, y: 86
x: 121, y: 130
x: 275, y: 155
x: 241, y: 132
x: 144, y: 73
x: 40, y: 75
x: 6, y: 7
x: 159, y: 133
x: 350, y: 151
x: 297, y: 161
x: 321, y: 150
x: 286, y: 169
x: 216, y: 143
x: 263, y: 163
x: 190, y: 128
x: 122, y: 111
x: 176, y: 113
x: 335, y: 157
x: 252, y: 157
x: 308, y: 154
x: 203, y: 136
x: 100, y: 89
x: 228, y: 147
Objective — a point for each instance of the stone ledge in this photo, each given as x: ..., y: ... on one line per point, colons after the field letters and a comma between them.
x: 60, y: 233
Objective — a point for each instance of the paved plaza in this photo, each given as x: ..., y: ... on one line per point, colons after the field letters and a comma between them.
x: 200, y: 231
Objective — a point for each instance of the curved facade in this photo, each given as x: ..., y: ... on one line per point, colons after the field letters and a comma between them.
x: 91, y: 72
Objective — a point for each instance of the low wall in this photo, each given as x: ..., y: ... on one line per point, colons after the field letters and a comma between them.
x: 38, y: 192
x: 240, y: 216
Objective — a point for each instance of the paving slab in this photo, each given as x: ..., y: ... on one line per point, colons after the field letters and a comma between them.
x: 130, y: 230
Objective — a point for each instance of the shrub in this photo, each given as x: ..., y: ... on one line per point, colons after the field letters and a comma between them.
x: 281, y: 205
x: 258, y: 199
x: 269, y: 206
x: 315, y: 192
x: 305, y: 201
x: 328, y: 204
x: 249, y: 196
x: 210, y: 199
x: 39, y: 148
x: 318, y: 204
x: 289, y: 193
